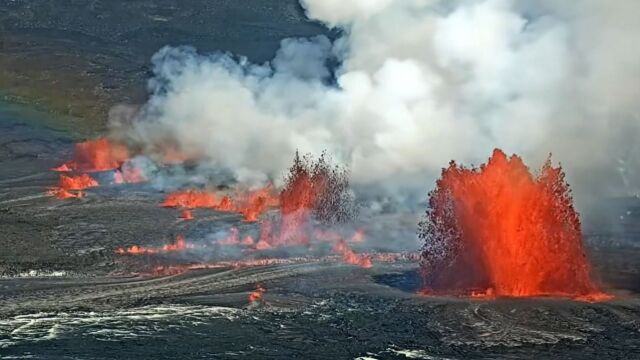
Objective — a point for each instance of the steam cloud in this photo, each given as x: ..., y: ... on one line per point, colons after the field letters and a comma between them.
x: 414, y: 84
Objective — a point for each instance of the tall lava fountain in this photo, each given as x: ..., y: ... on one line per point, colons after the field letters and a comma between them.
x: 500, y: 230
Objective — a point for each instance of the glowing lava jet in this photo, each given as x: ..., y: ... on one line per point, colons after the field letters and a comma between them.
x: 314, y: 192
x: 71, y: 186
x: 180, y: 245
x: 96, y: 155
x: 498, y: 230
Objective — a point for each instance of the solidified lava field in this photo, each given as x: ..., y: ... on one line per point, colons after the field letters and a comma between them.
x: 65, y: 293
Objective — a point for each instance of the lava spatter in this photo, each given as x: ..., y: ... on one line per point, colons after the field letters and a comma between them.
x: 499, y: 230
x: 96, y: 155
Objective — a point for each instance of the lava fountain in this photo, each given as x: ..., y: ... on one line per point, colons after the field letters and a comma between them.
x: 96, y: 155
x: 499, y: 230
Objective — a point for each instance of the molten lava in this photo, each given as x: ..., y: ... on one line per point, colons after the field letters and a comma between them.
x: 63, y: 194
x: 191, y: 199
x: 313, y: 191
x: 96, y: 155
x: 315, y: 194
x: 180, y: 245
x: 498, y: 230
x: 251, y: 204
x: 256, y: 295
x: 80, y: 182
x: 350, y: 257
x: 69, y: 186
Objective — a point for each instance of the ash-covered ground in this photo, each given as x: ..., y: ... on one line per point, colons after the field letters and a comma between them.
x: 65, y: 293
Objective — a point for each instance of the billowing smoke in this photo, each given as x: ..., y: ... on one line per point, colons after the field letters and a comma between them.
x: 410, y: 85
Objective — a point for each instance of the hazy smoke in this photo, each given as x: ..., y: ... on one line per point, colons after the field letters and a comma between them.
x: 418, y: 83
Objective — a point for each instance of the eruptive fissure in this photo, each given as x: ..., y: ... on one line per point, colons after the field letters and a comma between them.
x: 96, y: 155
x: 72, y: 186
x: 315, y: 198
x: 250, y: 204
x: 93, y: 156
x: 180, y: 245
x: 499, y: 230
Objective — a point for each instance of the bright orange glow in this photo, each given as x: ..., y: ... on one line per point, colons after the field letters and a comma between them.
x: 63, y: 194
x: 506, y: 233
x: 350, y: 257
x: 257, y: 294
x: 251, y: 204
x: 69, y: 186
x: 191, y: 199
x: 96, y: 155
x: 179, y: 245
x: 307, y: 189
x: 77, y: 182
x: 297, y: 201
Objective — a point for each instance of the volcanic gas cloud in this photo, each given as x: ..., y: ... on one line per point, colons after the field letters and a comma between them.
x: 499, y: 230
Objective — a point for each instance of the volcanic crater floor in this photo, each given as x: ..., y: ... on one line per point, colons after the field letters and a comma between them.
x: 65, y: 293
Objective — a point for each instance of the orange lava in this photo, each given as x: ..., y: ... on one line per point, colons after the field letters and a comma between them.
x: 69, y: 186
x: 251, y: 204
x: 96, y: 155
x: 79, y: 182
x: 63, y: 194
x: 186, y: 215
x: 505, y: 231
x: 190, y: 199
x: 308, y: 188
x: 305, y: 185
x: 179, y: 245
x: 256, y: 295
x: 350, y: 257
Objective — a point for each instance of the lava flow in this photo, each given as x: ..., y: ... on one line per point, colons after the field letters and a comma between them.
x: 96, y: 155
x: 350, y: 257
x: 498, y: 230
x: 180, y: 245
x: 314, y: 198
x: 250, y: 204
x: 256, y: 295
x: 70, y: 186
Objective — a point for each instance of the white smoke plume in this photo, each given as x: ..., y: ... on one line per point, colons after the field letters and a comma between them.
x: 417, y: 84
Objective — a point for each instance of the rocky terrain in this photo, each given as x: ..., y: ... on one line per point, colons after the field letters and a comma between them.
x: 78, y: 59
